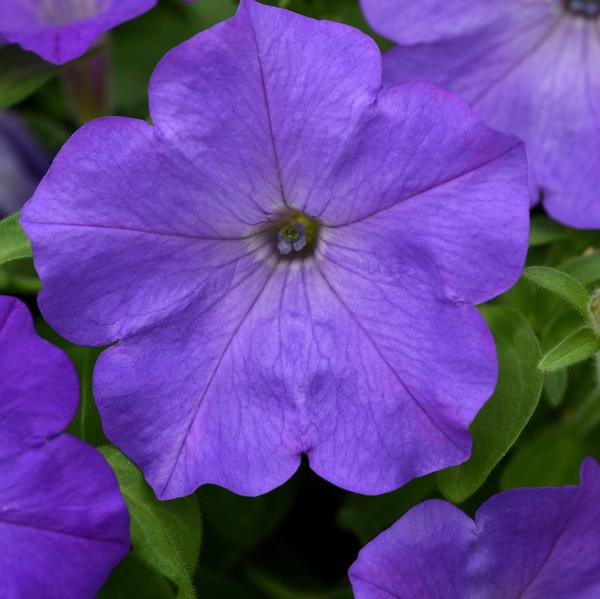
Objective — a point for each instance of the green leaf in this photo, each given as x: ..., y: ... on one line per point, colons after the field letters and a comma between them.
x: 165, y: 534
x: 245, y: 522
x: 552, y: 458
x: 575, y: 348
x: 87, y: 424
x: 367, y: 516
x: 132, y: 578
x: 14, y: 244
x: 561, y: 284
x: 555, y: 386
x: 22, y: 73
x: 586, y: 269
x: 544, y: 231
x: 503, y: 418
x: 221, y: 586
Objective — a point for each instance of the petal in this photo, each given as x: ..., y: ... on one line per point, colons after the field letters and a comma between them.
x: 534, y: 77
x: 31, y: 368
x: 422, y: 556
x: 418, y: 138
x: 125, y: 233
x: 410, y: 370
x: 448, y: 184
x: 525, y: 543
x: 241, y: 394
x: 267, y: 83
x: 432, y: 20
x: 542, y: 542
x: 62, y: 517
x: 201, y: 398
x: 23, y: 22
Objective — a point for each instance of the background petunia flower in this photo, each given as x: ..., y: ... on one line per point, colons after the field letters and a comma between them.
x: 22, y: 164
x: 62, y: 30
x: 63, y: 523
x: 529, y: 68
x: 288, y: 260
x: 523, y: 544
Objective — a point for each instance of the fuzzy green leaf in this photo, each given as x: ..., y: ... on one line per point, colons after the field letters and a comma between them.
x: 22, y: 73
x: 14, y: 244
x: 561, y: 284
x: 503, y: 418
x: 165, y: 534
x: 575, y: 348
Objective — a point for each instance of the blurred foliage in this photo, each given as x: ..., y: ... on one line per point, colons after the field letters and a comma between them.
x: 298, y: 541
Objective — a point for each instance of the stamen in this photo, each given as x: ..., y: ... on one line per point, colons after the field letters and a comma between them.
x: 296, y: 233
x: 590, y: 9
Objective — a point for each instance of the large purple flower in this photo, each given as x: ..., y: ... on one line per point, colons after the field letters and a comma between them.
x: 61, y: 30
x: 63, y: 523
x: 523, y: 544
x: 288, y: 259
x: 529, y: 68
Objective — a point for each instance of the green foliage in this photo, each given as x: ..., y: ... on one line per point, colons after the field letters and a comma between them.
x: 555, y: 386
x: 579, y: 346
x: 366, y: 516
x: 14, y: 244
x: 244, y: 522
x: 586, y: 269
x: 504, y: 416
x: 17, y: 275
x: 22, y: 74
x: 132, y: 579
x: 545, y: 231
x: 551, y: 458
x: 165, y: 535
x: 561, y: 284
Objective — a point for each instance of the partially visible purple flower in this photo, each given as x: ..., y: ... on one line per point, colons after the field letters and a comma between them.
x: 528, y: 68
x: 62, y: 30
x: 523, y: 544
x: 288, y: 259
x: 63, y: 523
x: 22, y: 164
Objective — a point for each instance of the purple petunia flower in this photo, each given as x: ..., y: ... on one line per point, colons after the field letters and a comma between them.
x: 288, y: 259
x: 529, y: 68
x: 524, y: 543
x: 63, y: 523
x: 62, y: 30
x: 22, y: 164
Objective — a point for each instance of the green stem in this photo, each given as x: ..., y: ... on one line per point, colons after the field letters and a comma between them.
x: 86, y: 85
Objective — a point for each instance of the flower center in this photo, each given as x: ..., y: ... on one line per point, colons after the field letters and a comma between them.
x: 590, y: 9
x: 297, y: 234
x: 62, y: 12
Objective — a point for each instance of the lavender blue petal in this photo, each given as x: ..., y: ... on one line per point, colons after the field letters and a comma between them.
x: 62, y: 30
x: 526, y: 68
x: 523, y: 543
x: 63, y: 522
